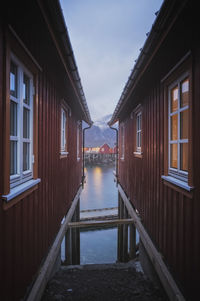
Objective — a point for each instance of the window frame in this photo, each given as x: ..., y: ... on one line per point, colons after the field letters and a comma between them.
x: 177, y: 172
x: 22, y: 176
x: 138, y: 131
x: 134, y: 115
x: 64, y: 110
x: 15, y: 47
x: 182, y: 68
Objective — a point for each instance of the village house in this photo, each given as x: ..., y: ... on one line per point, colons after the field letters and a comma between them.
x: 159, y: 147
x: 105, y: 149
x: 42, y: 105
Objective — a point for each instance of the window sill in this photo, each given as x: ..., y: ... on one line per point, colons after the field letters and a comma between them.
x: 179, y: 185
x: 78, y: 159
x: 64, y: 154
x: 138, y: 154
x: 19, y: 192
x: 14, y: 192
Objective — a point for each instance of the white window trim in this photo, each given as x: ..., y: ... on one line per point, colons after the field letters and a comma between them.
x: 139, y: 131
x: 122, y: 141
x: 176, y: 172
x: 22, y: 176
x: 177, y: 182
x: 14, y: 192
x: 63, y: 143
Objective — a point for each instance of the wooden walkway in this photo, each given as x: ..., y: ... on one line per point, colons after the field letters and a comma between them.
x: 96, y: 214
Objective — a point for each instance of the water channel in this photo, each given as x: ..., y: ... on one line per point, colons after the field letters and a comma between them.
x: 99, y: 246
x: 100, y: 191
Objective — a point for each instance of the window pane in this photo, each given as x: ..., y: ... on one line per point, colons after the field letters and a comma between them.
x: 139, y: 140
x: 173, y: 155
x: 26, y: 156
x: 184, y: 156
x: 13, y: 118
x: 139, y: 127
x: 13, y: 157
x: 174, y: 99
x: 185, y: 93
x: 13, y: 79
x: 26, y: 90
x: 174, y: 127
x: 26, y: 123
x: 184, y: 124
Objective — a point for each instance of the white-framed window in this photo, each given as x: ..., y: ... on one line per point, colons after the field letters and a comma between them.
x: 122, y: 141
x: 178, y: 125
x: 63, y: 133
x: 21, y: 123
x: 138, y: 131
x: 78, y: 139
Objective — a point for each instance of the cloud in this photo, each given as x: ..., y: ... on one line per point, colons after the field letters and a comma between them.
x: 106, y: 36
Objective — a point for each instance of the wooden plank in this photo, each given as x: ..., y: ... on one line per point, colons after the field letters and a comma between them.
x: 166, y: 278
x: 87, y: 224
x: 132, y: 239
x: 46, y: 270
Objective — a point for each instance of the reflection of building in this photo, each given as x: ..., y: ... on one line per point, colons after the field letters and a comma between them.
x: 41, y: 109
x: 159, y: 144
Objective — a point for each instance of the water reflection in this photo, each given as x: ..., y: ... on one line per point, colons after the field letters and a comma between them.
x: 100, y: 190
x: 99, y: 246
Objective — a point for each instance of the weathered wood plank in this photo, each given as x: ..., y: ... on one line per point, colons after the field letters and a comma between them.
x: 166, y: 278
x: 87, y: 224
x: 46, y: 270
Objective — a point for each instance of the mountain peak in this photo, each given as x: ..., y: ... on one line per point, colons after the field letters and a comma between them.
x: 100, y: 133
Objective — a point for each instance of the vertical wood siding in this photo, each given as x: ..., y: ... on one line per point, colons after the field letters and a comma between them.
x: 170, y: 217
x: 28, y: 228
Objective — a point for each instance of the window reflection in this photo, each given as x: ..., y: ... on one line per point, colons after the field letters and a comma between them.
x: 184, y: 93
x: 174, y: 127
x: 174, y: 153
x: 174, y: 99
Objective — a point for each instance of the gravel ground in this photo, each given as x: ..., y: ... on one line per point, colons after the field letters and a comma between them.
x: 110, y: 282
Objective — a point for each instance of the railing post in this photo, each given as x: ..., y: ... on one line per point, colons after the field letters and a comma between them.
x: 132, y: 241
x: 120, y: 231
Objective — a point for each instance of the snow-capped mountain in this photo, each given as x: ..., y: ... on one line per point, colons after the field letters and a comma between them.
x: 100, y: 133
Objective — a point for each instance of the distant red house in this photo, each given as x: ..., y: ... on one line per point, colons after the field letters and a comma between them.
x: 113, y: 150
x: 105, y: 149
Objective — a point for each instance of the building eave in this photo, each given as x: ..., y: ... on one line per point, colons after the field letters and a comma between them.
x: 53, y: 15
x: 155, y: 37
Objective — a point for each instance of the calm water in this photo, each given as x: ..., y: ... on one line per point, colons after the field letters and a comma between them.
x: 99, y: 246
x: 100, y: 190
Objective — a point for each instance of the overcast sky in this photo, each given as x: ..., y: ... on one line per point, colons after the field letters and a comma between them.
x: 106, y: 36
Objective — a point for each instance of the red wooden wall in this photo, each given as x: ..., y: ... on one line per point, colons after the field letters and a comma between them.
x: 28, y: 228
x: 170, y: 217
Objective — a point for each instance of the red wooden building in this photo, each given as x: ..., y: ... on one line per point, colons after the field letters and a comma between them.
x: 159, y: 142
x: 42, y: 106
x: 105, y: 149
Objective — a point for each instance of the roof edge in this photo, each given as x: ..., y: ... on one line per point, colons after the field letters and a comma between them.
x: 152, y: 40
x: 60, y: 29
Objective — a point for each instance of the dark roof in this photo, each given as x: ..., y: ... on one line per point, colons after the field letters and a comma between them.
x: 53, y: 9
x: 166, y: 16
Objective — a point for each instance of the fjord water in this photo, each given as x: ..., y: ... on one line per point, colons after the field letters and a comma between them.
x: 99, y: 190
x: 99, y: 245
